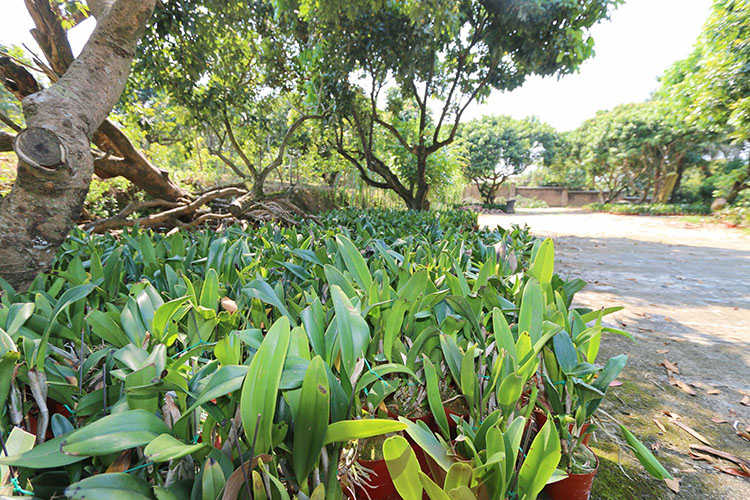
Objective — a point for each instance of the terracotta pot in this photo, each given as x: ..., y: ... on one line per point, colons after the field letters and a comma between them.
x: 573, y: 487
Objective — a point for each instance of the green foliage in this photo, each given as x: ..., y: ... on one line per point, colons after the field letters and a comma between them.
x: 304, y: 336
x: 651, y: 208
x: 500, y: 147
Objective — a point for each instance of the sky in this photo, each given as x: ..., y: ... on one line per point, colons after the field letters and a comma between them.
x: 633, y: 48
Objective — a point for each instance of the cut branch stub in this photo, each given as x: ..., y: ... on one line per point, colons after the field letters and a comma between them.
x: 40, y: 149
x: 241, y: 204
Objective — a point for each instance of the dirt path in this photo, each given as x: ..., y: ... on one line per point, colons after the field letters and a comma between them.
x: 686, y: 292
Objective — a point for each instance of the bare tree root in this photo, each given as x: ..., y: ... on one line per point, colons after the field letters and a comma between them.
x: 213, y: 207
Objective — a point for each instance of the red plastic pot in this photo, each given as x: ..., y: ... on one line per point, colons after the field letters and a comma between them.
x: 573, y: 487
x: 379, y: 486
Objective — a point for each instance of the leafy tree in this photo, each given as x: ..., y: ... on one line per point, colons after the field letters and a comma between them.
x: 240, y: 75
x: 636, y: 148
x: 500, y: 146
x: 442, y: 56
x: 713, y: 85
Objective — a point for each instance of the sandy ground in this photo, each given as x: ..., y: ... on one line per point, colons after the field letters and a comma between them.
x: 686, y: 291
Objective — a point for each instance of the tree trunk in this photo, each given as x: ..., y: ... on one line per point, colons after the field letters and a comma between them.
x: 121, y: 158
x: 55, y: 164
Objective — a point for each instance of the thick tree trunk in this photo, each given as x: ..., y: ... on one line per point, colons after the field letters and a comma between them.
x: 121, y: 158
x: 55, y: 164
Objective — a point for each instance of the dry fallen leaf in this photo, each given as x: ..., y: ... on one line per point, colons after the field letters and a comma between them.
x: 673, y: 484
x: 682, y: 385
x: 660, y: 425
x: 718, y: 421
x: 744, y: 472
x: 615, y: 383
x: 713, y: 392
x: 744, y: 435
x: 745, y: 400
x: 721, y: 454
x: 700, y: 456
x: 690, y: 431
x: 662, y: 351
x: 677, y: 339
x: 672, y: 415
x: 671, y: 367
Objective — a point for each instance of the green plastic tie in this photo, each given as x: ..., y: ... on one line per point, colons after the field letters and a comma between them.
x: 201, y: 341
x: 139, y: 467
x: 17, y: 488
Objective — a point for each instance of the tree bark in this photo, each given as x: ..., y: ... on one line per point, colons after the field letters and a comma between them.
x: 55, y: 164
x: 122, y: 157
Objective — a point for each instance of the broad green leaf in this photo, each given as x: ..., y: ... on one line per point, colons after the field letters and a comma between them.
x: 44, y: 456
x: 544, y: 263
x: 645, y: 457
x: 531, y: 315
x: 114, y: 433
x: 354, y: 261
x: 433, y: 491
x: 166, y: 447
x: 565, y: 352
x: 261, y: 387
x: 259, y: 289
x: 70, y: 296
x: 433, y: 397
x: 115, y: 486
x: 346, y: 430
x: 164, y: 315
x: 311, y: 421
x: 212, y: 480
x: 425, y: 439
x: 354, y: 333
x: 403, y: 467
x: 540, y: 463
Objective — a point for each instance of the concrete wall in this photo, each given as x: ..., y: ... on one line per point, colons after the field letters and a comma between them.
x: 553, y: 196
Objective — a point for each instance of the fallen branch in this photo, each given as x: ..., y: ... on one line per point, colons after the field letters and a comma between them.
x: 718, y: 453
x: 162, y: 218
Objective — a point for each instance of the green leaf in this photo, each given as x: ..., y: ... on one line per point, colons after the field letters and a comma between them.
x: 166, y: 447
x: 434, y: 491
x: 261, y: 387
x: 645, y: 457
x: 544, y: 263
x: 213, y: 479
x: 259, y: 289
x: 565, y: 352
x: 433, y: 397
x: 114, y: 433
x: 142, y: 377
x: 210, y: 292
x: 71, y: 296
x: 117, y: 486
x: 164, y: 315
x: 425, y: 439
x: 311, y: 421
x: 540, y: 463
x: 346, y: 430
x: 403, y: 467
x: 44, y: 456
x: 226, y: 379
x: 531, y: 316
x: 354, y: 261
x: 354, y: 333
